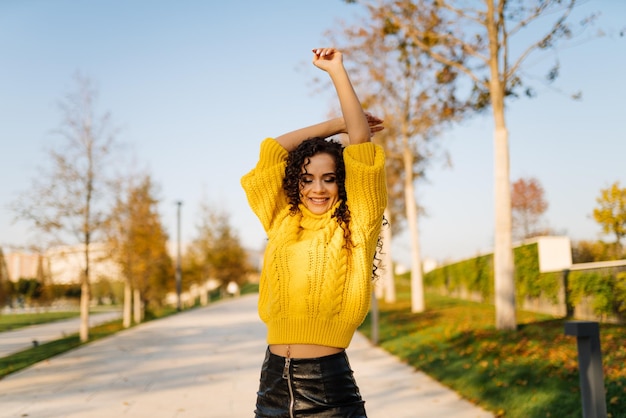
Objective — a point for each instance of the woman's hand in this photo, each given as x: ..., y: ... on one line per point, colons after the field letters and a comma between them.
x: 327, y: 58
x: 356, y: 123
x: 374, y: 122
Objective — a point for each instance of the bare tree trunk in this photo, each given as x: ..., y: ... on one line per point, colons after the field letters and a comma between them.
x: 503, y: 252
x: 204, y: 294
x: 503, y: 249
x: 137, y: 306
x: 85, y: 296
x: 128, y: 294
x: 417, y: 282
x: 46, y: 296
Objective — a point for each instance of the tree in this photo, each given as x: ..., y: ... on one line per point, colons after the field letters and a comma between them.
x: 43, y: 277
x: 415, y: 97
x: 67, y: 199
x: 590, y: 251
x: 139, y: 244
x: 6, y: 287
x: 29, y: 288
x: 528, y: 204
x: 611, y: 213
x: 215, y: 252
x: 474, y: 41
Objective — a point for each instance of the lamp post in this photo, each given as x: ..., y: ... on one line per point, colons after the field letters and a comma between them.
x: 178, y: 266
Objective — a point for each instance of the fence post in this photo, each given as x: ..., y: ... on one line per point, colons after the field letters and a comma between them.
x: 592, y: 391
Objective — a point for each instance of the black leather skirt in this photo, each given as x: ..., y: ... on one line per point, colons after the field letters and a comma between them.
x: 317, y: 387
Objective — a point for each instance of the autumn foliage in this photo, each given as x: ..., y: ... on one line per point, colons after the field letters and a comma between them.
x: 611, y: 212
x: 528, y: 204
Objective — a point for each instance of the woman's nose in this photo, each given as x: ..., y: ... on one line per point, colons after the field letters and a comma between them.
x: 318, y: 186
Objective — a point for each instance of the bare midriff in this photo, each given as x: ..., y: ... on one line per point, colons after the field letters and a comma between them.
x: 303, y: 350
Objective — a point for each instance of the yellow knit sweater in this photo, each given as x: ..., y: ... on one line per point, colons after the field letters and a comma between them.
x: 313, y: 290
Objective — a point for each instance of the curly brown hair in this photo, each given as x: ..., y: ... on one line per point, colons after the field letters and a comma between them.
x: 299, y: 158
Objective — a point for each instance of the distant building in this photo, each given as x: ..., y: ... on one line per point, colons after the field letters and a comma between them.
x: 67, y: 263
x: 21, y: 265
x: 64, y: 264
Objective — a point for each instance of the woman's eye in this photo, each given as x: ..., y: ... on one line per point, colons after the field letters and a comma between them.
x: 306, y: 181
x: 330, y: 180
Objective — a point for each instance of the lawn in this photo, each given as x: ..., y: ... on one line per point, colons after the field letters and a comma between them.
x: 532, y: 372
x: 28, y: 357
x: 18, y: 361
x: 14, y: 321
x: 10, y: 322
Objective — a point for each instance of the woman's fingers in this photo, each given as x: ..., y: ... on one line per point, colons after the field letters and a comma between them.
x: 369, y: 116
x: 374, y: 122
x: 323, y: 52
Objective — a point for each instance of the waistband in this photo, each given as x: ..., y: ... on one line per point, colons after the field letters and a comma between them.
x: 329, y: 360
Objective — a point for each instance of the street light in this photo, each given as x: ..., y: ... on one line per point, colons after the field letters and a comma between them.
x: 178, y: 267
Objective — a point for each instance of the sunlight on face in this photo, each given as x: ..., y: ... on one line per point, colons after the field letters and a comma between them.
x: 318, y: 184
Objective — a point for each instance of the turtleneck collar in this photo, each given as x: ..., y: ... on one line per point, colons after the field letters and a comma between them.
x: 314, y: 221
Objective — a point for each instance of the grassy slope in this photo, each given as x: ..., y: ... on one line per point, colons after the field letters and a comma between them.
x: 532, y: 372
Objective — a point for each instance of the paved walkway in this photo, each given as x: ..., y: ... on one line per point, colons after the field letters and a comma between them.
x: 202, y: 363
x: 23, y: 338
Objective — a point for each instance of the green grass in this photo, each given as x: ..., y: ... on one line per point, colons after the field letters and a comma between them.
x: 21, y: 360
x: 18, y: 361
x: 532, y: 372
x: 10, y: 322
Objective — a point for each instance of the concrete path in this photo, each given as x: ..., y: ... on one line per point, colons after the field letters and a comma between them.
x: 22, y: 338
x: 202, y: 363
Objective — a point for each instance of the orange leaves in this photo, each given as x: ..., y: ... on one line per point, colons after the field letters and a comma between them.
x: 513, y: 374
x: 527, y: 204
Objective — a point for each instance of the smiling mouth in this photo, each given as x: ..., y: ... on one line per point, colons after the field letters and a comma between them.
x: 318, y: 201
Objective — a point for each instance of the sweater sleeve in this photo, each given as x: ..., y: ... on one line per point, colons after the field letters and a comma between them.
x: 366, y: 185
x: 263, y: 184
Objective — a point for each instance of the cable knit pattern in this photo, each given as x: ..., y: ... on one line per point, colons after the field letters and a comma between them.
x: 313, y: 289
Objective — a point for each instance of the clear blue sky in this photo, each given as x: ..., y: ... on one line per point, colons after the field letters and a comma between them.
x: 196, y: 85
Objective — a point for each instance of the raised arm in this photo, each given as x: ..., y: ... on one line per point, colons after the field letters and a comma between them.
x: 358, y: 125
x: 291, y: 140
x: 331, y: 61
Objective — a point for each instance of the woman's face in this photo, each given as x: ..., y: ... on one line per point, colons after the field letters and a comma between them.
x: 318, y: 184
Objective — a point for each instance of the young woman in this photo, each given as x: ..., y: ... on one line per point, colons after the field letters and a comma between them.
x: 321, y: 206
